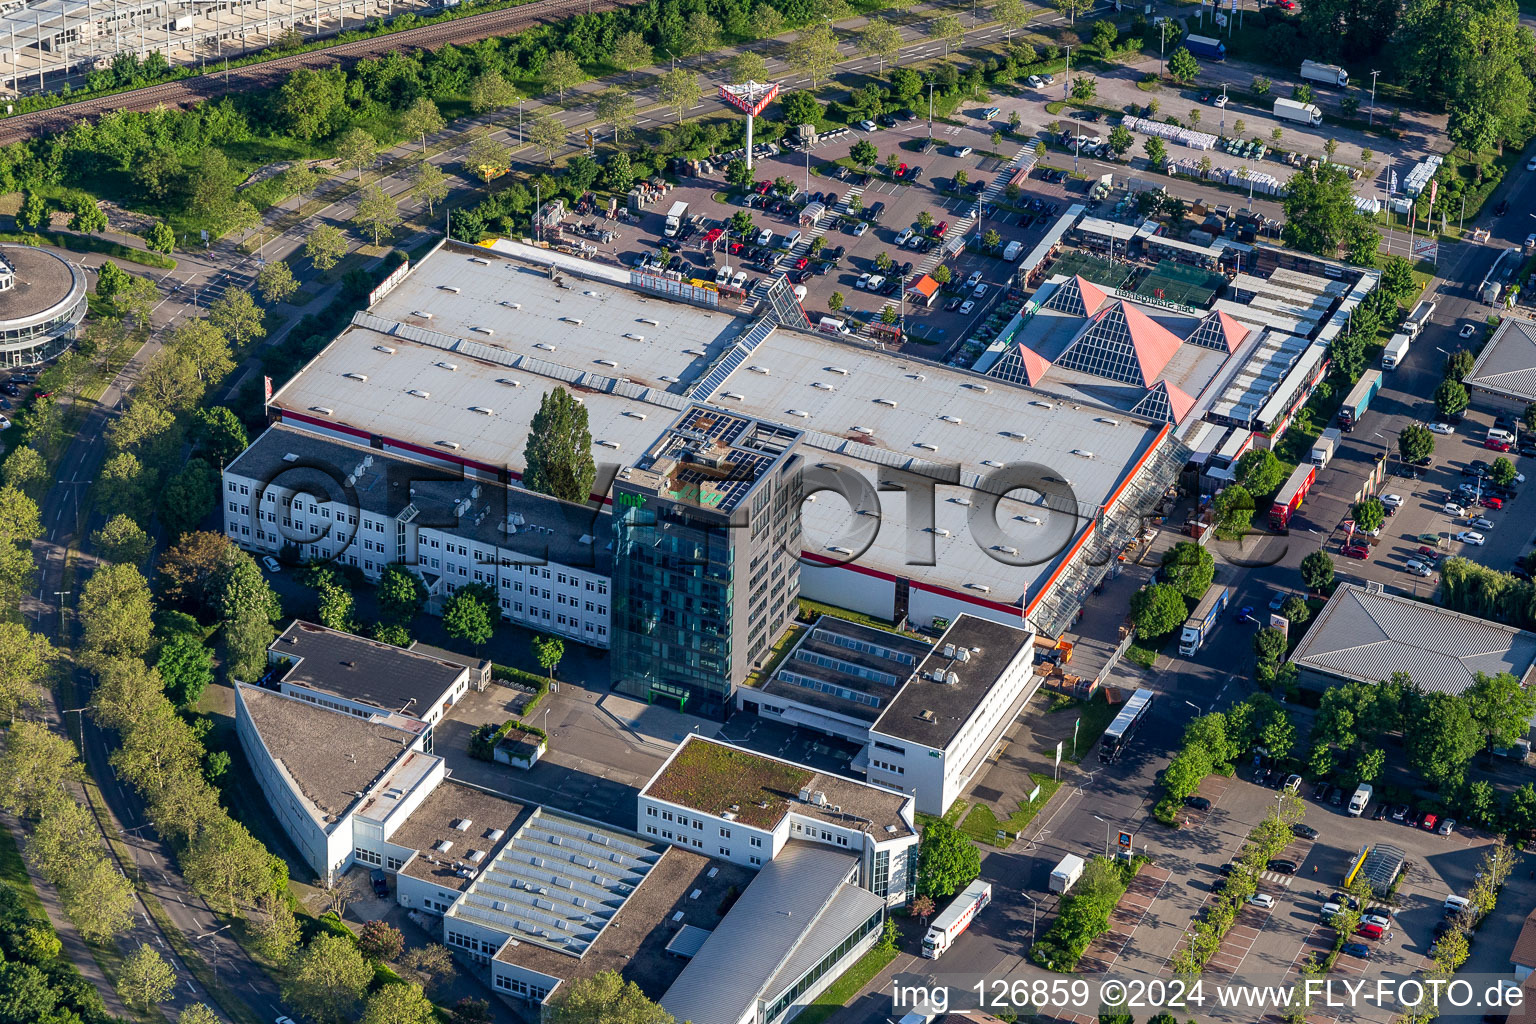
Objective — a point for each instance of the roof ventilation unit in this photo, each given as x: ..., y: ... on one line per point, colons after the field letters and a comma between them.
x: 635, y: 337
x: 356, y: 376
x: 482, y: 410
x: 609, y: 444
x: 322, y: 410
x: 573, y: 320
x: 482, y: 330
x: 447, y: 366
x: 647, y: 320
x: 1083, y: 453
x: 450, y: 288
x: 419, y: 394
x: 822, y: 385
x: 1014, y: 435
x: 886, y: 401
x: 509, y: 382
x: 421, y: 313
x: 386, y: 349
x: 951, y: 419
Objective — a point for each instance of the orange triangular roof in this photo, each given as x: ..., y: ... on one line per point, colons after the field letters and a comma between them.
x: 1178, y: 401
x: 925, y: 286
x: 1233, y: 331
x: 1035, y: 365
x: 1154, y: 343
x: 1093, y: 295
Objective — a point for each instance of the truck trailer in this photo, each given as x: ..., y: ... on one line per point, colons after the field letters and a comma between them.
x: 1066, y: 874
x: 1418, y: 318
x: 1327, y: 74
x: 1396, y: 351
x: 1326, y: 447
x: 1359, y: 400
x: 1205, y: 46
x: 1290, y: 497
x: 675, y: 218
x: 1301, y: 113
x: 956, y: 918
x: 1207, y: 613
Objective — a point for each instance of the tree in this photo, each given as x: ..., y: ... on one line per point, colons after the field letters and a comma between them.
x: 186, y: 666
x: 309, y: 101
x: 558, y: 453
x: 398, y: 1004
x: 835, y: 301
x: 199, y: 1013
x: 145, y: 978
x: 946, y: 29
x: 380, y: 941
x: 356, y: 150
x: 275, y: 282
x: 1157, y: 610
x: 813, y: 53
x: 1157, y: 152
x: 680, y: 90
x: 547, y: 651
x: 325, y: 246
x: 25, y: 995
x: 1320, y: 211
x: 34, y: 768
x: 1189, y: 568
x: 378, y: 213
x: 1296, y: 609
x: 1120, y: 139
x: 605, y: 998
x: 233, y: 316
x: 467, y: 617
x: 115, y: 614
x: 864, y: 153
x: 631, y: 51
x: 400, y: 592
x: 748, y: 66
x: 617, y: 107
x: 121, y: 540
x: 1415, y: 442
x: 474, y: 1011
x: 433, y: 961
x: 1441, y: 737
x: 1397, y: 278
x: 1182, y: 66
x: 562, y: 72
x: 328, y: 979
x: 24, y: 469
x: 490, y: 91
x: 392, y: 633
x: 1269, y: 645
x: 246, y: 606
x: 24, y: 660
x: 947, y: 861
x: 1458, y: 365
x: 1369, y: 514
x: 882, y: 40
x: 487, y: 158
x: 1502, y: 472
x: 1084, y: 88
x: 336, y: 605
x: 87, y: 218
x: 429, y: 184
x: 1233, y: 511
x: 189, y: 497
x: 1260, y: 471
x: 191, y: 571
x: 1496, y: 704
x: 421, y: 119
x: 1451, y: 398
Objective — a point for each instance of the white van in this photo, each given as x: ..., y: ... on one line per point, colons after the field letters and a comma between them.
x: 1456, y: 904
x: 789, y: 240
x: 1495, y: 434
x: 832, y: 325
x: 1011, y: 253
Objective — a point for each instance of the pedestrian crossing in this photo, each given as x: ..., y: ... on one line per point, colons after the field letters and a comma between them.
x: 1276, y: 877
x: 960, y: 230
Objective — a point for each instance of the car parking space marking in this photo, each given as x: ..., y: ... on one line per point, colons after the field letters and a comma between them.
x: 1129, y: 915
x: 1238, y: 942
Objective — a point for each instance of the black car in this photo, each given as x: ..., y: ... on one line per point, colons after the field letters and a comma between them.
x: 1284, y: 867
x: 906, y: 268
x: 914, y: 174
x: 874, y: 212
x: 838, y: 252
x: 1303, y: 831
x: 380, y: 882
x: 1199, y: 803
x: 977, y: 187
x: 1381, y: 811
x: 1502, y: 208
x: 886, y: 121
x: 952, y: 305
x: 906, y: 114
x: 1091, y: 115
x: 1338, y: 797
x: 1320, y: 791
x: 889, y: 288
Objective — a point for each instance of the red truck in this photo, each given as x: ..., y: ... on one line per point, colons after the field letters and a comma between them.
x: 1290, y: 497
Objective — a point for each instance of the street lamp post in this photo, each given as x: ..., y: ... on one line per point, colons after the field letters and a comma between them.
x: 930, y: 110
x: 1197, y: 707
x: 1066, y: 87
x: 1373, y: 96
x: 1034, y: 914
x: 1161, y: 48
x: 1106, y: 833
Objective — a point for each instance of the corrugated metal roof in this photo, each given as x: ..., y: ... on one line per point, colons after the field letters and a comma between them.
x: 791, y: 900
x: 1369, y: 636
x: 1507, y: 364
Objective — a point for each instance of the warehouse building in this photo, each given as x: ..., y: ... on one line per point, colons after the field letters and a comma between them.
x: 449, y: 367
x: 1366, y: 635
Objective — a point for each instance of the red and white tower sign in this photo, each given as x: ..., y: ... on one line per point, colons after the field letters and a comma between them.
x: 750, y: 98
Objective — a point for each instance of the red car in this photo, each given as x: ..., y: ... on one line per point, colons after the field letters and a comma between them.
x: 1359, y: 551
x: 1493, y: 503
x: 939, y: 228
x: 735, y: 248
x: 1429, y: 553
x: 901, y: 172
x: 801, y: 263
x: 1494, y: 444
x: 763, y: 187
x: 1429, y: 822
x: 1286, y: 5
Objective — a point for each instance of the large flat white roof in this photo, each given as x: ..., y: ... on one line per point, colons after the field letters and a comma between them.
x: 447, y: 388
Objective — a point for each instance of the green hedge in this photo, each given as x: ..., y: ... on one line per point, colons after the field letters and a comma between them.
x: 1085, y: 912
x: 90, y: 243
x: 482, y: 742
x: 539, y: 684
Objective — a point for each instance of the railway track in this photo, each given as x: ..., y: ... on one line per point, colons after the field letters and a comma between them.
x: 270, y: 74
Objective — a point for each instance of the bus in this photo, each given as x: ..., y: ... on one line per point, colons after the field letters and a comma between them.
x: 1123, y: 729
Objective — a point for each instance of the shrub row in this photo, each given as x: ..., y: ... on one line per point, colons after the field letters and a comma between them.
x: 1084, y: 914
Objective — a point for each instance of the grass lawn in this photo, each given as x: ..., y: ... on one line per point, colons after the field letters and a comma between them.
x: 953, y: 815
x: 776, y: 654
x: 982, y: 825
x: 812, y: 608
x: 842, y: 991
x: 13, y: 874
x: 1095, y: 713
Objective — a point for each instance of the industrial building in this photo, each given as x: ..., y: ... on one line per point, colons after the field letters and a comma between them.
x: 756, y: 883
x: 43, y: 43
x: 926, y: 715
x: 1364, y: 634
x: 446, y: 369
x: 1504, y: 377
x: 42, y: 301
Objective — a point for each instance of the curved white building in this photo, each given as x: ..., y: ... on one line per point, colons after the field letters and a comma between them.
x: 42, y: 301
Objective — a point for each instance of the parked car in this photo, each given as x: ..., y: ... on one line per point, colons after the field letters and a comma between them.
x: 1262, y: 899
x: 1392, y: 500
x: 1471, y: 537
x: 1292, y: 783
x: 1357, y: 949
x: 1453, y: 509
x: 1035, y: 82
x: 1447, y: 826
x: 868, y: 125
x: 1481, y: 523
x: 271, y: 564
x: 739, y: 280
x: 1429, y: 822
x: 966, y: 307
x: 1442, y: 428
x: 1282, y: 866
x: 1199, y: 803
x: 1359, y: 551
x: 1301, y: 830
x: 1400, y: 813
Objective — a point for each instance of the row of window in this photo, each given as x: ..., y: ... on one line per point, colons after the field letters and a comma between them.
x: 894, y: 769
x: 698, y: 844
x: 519, y: 987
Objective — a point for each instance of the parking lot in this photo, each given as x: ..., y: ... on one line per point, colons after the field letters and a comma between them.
x: 882, y: 229
x: 1423, y: 512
